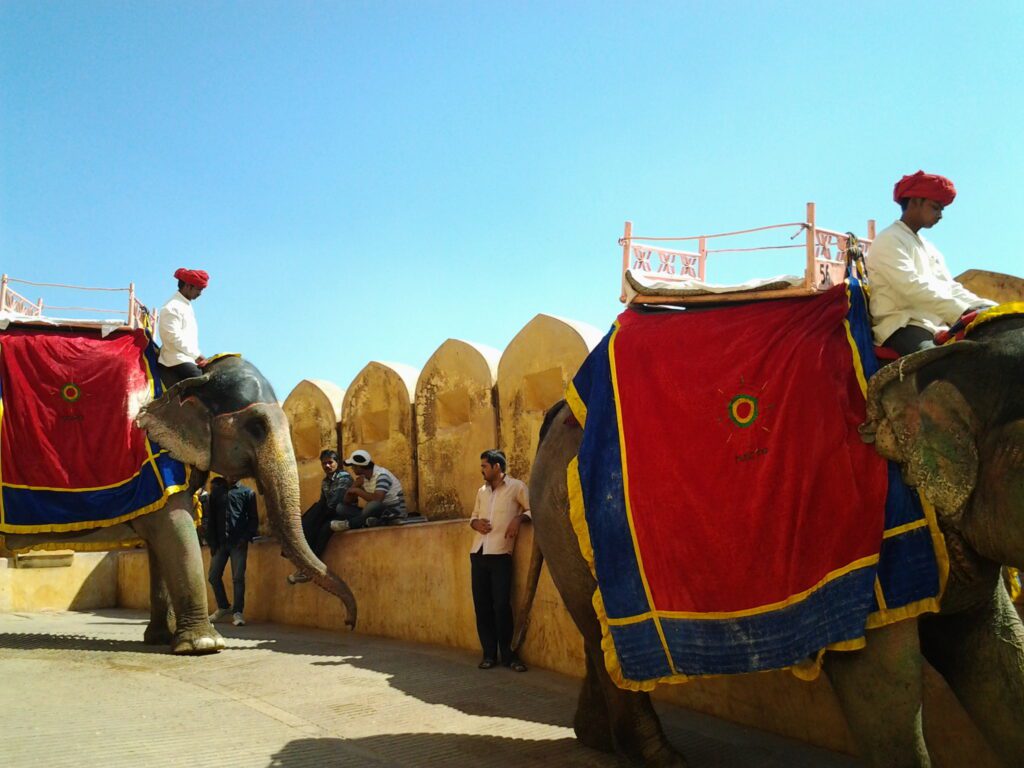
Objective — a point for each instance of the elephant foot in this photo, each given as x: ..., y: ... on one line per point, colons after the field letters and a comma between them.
x: 155, y: 635
x: 594, y: 738
x: 665, y: 757
x: 197, y: 642
x: 594, y: 731
x: 659, y: 754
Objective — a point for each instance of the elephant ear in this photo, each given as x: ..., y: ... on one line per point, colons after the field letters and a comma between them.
x: 930, y: 431
x: 180, y: 423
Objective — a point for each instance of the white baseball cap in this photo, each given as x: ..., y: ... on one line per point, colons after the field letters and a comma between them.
x: 359, y: 459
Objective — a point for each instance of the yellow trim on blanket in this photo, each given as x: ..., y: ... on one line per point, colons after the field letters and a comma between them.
x: 625, y: 493
x: 899, y: 530
x: 577, y: 513
x: 996, y: 312
x: 1, y: 461
x: 858, y: 365
x: 149, y: 447
x: 611, y: 658
x: 938, y: 541
x: 576, y: 404
x: 880, y: 596
x: 219, y: 355
x: 799, y: 597
x: 96, y: 488
x: 90, y: 524
x: 886, y: 616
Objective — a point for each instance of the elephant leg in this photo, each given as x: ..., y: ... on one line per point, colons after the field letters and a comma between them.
x: 635, y: 728
x: 879, y: 690
x: 608, y: 718
x: 981, y: 654
x: 160, y: 630
x: 171, y: 535
x: 591, y: 723
x: 607, y: 715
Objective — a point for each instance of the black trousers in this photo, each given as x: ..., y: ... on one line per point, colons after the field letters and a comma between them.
x: 172, y: 374
x: 316, y: 526
x: 910, y: 339
x: 491, y: 576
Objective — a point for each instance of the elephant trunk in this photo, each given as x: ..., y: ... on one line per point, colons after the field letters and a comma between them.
x: 279, y: 482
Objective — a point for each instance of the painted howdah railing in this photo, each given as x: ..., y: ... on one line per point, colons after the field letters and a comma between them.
x: 824, y: 258
x: 136, y: 316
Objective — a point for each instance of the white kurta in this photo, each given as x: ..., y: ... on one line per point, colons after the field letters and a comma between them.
x: 179, y: 332
x: 911, y: 285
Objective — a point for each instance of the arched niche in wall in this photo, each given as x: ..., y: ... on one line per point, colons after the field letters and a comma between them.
x: 313, y: 409
x: 532, y: 375
x: 377, y: 416
x: 456, y: 419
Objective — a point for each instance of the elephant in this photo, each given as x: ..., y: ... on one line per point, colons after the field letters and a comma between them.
x: 227, y: 420
x: 953, y: 418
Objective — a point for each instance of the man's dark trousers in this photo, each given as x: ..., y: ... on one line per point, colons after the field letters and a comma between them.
x: 910, y: 339
x: 491, y: 577
x: 238, y: 553
x: 316, y: 525
x: 172, y: 374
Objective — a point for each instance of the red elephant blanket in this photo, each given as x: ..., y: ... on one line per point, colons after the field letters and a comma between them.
x: 71, y: 457
x: 729, y: 510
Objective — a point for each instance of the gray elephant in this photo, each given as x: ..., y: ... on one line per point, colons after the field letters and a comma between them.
x: 953, y: 417
x: 229, y: 421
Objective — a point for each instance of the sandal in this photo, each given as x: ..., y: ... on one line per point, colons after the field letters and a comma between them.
x: 486, y: 664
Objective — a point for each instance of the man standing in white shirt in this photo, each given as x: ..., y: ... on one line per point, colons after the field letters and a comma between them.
x: 913, y: 295
x: 502, y: 505
x: 179, y: 333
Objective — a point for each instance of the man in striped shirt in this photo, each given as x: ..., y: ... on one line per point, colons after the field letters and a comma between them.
x: 378, y: 488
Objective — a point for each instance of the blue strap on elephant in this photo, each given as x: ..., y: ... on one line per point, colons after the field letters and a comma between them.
x: 732, y: 517
x: 71, y: 457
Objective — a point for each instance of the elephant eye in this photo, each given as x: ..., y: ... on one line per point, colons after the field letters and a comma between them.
x: 257, y: 427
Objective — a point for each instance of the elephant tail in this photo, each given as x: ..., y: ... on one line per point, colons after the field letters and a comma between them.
x: 532, y: 579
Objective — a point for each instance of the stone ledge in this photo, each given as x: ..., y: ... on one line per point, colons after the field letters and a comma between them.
x: 61, y: 558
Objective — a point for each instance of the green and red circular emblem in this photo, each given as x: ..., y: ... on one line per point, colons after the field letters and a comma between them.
x: 70, y: 392
x: 743, y: 410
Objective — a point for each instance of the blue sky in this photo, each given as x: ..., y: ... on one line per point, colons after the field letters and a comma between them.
x: 366, y: 180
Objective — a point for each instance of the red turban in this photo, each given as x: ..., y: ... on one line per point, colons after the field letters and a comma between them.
x: 195, y: 277
x: 930, y: 186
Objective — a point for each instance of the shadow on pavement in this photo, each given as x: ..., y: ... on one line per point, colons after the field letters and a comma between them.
x: 45, y: 641
x: 436, y: 749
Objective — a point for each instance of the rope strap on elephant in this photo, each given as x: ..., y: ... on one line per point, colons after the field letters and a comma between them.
x: 71, y: 457
x: 731, y: 514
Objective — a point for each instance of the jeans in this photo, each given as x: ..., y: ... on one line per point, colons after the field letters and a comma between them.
x: 357, y: 517
x: 218, y: 559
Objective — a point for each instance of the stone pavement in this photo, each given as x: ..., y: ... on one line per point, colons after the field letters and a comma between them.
x: 81, y: 689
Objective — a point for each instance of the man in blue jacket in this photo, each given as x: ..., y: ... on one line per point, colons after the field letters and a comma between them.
x: 232, y: 523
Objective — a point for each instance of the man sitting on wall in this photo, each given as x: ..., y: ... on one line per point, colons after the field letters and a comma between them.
x: 913, y: 295
x: 316, y: 522
x: 378, y: 488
